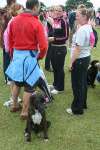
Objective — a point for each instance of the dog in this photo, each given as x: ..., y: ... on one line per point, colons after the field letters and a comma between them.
x: 36, y: 120
x: 92, y: 73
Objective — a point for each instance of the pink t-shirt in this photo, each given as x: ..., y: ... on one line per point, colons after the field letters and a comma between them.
x: 92, y: 39
x: 6, y: 36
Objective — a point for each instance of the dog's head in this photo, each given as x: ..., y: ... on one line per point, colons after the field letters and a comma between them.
x: 94, y: 62
x: 37, y: 102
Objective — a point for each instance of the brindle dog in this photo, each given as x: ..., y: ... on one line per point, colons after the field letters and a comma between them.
x: 37, y: 105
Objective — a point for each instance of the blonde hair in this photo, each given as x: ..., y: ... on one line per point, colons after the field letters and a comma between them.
x: 58, y: 7
x: 81, y: 6
x: 15, y: 9
x: 84, y: 11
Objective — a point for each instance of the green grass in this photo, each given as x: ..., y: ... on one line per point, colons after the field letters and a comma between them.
x: 66, y: 132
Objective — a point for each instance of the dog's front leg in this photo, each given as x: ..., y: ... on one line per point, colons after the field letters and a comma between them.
x: 44, y: 126
x: 28, y: 129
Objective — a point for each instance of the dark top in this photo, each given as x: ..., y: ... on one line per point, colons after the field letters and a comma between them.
x: 60, y: 31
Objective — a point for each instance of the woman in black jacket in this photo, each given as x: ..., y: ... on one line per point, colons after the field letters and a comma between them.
x: 58, y: 49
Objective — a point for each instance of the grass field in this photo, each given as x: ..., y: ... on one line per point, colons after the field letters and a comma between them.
x: 66, y: 132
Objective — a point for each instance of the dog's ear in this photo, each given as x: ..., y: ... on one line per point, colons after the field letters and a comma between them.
x: 42, y: 98
x: 41, y: 108
x: 92, y: 63
x: 33, y: 100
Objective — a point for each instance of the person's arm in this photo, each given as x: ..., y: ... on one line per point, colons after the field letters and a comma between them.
x: 80, y: 41
x: 42, y: 41
x: 10, y: 39
x: 6, y: 37
x: 50, y: 32
x: 92, y: 39
x: 75, y: 55
x: 51, y: 39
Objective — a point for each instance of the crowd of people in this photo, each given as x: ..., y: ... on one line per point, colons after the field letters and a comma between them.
x: 30, y: 34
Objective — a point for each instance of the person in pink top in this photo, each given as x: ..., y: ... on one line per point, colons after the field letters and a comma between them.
x: 14, y: 10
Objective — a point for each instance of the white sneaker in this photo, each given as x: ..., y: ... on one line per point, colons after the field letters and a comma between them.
x: 19, y: 99
x: 51, y: 87
x: 7, y: 104
x: 54, y: 91
x: 8, y: 82
x: 69, y: 111
x: 10, y: 102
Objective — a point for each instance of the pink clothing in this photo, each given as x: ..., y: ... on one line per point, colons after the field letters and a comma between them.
x: 6, y: 36
x: 92, y: 40
x: 57, y: 24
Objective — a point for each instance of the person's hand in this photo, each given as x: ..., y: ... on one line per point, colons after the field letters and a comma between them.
x: 51, y: 39
x: 70, y: 67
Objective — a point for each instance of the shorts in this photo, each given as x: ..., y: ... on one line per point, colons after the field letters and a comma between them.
x: 27, y: 88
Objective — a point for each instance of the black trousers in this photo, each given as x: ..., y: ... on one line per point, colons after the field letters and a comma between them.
x: 6, y: 62
x: 57, y: 60
x: 79, y: 85
x: 48, y: 58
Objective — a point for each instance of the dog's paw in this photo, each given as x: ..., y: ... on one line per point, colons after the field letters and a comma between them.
x: 46, y: 140
x: 27, y: 137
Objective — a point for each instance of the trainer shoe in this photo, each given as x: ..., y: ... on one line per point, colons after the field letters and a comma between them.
x: 55, y: 92
x: 51, y: 87
x: 69, y: 111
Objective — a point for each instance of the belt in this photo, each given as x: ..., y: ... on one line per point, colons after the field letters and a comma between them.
x: 58, y: 45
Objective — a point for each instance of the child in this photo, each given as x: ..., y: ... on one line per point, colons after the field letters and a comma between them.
x: 15, y: 9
